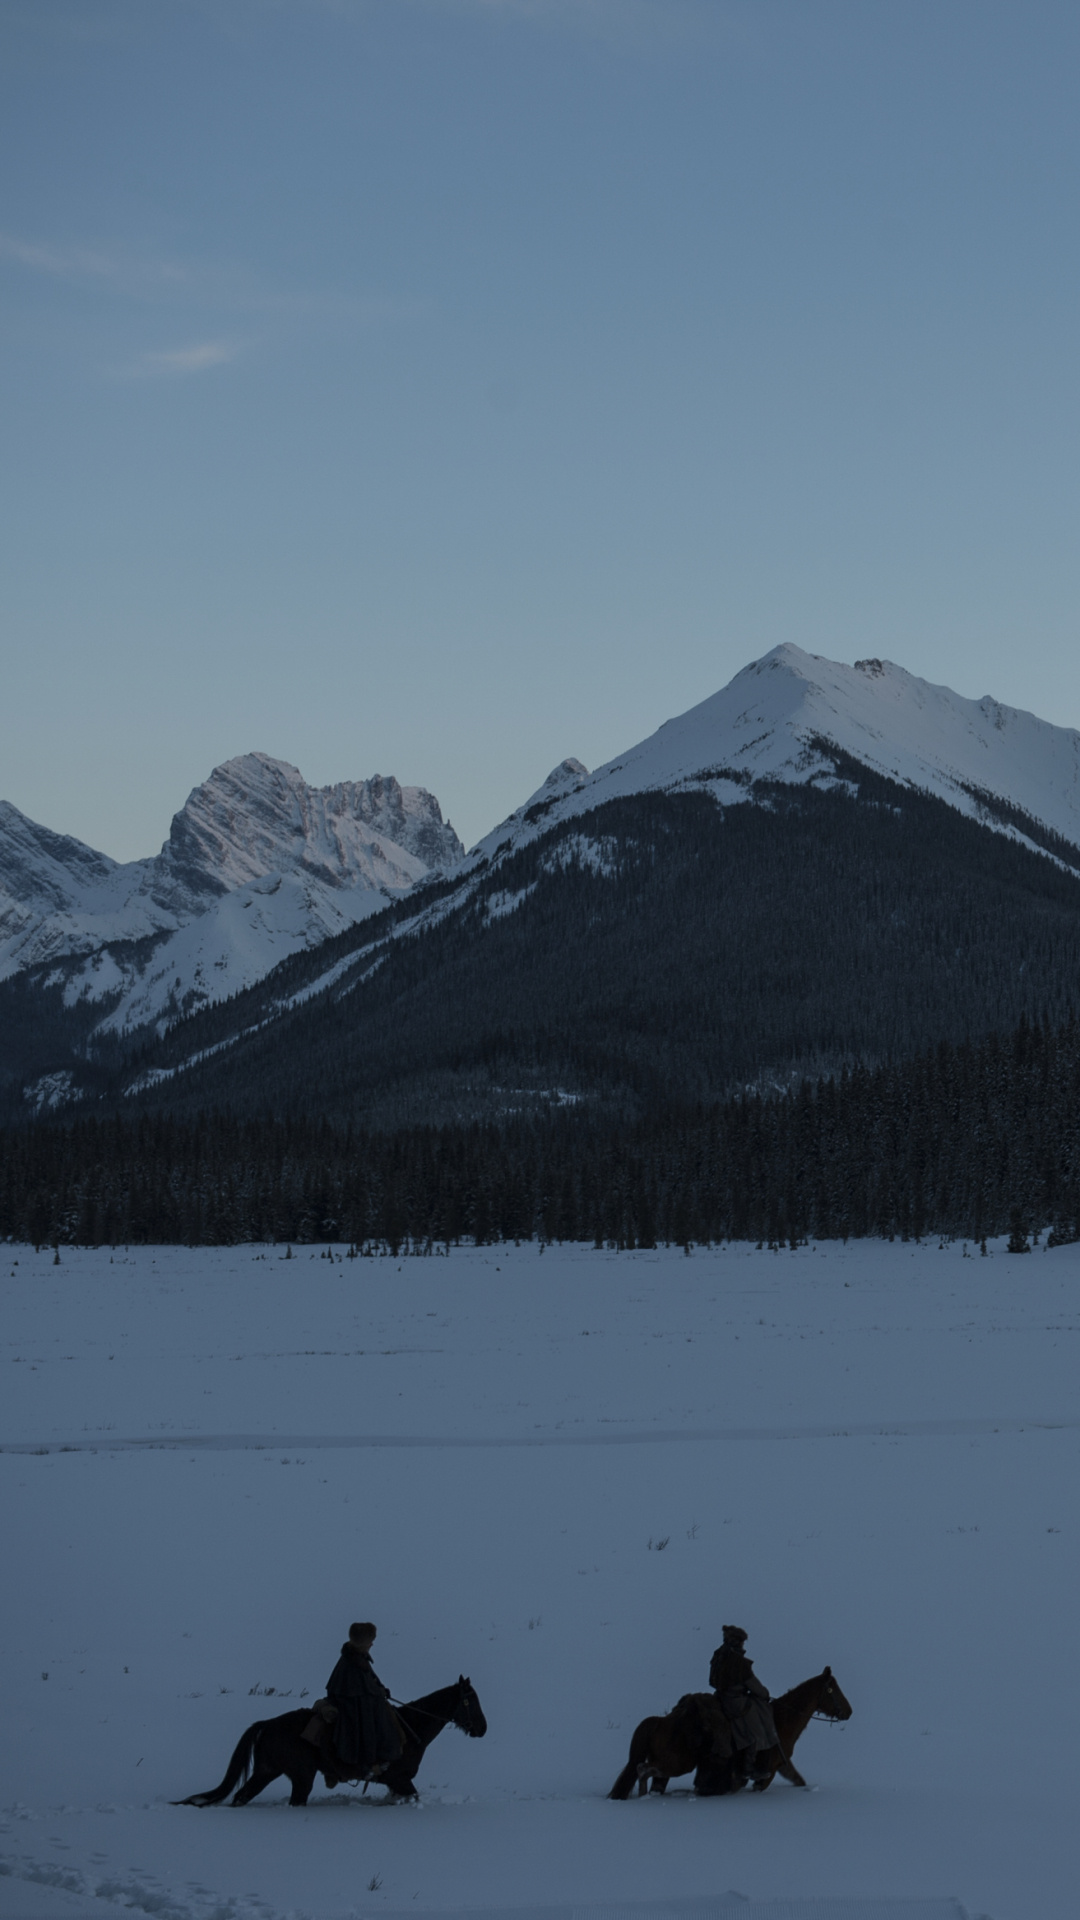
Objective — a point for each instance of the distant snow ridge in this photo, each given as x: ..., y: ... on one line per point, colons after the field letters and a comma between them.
x: 565, y: 780
x: 770, y: 722
x: 257, y: 864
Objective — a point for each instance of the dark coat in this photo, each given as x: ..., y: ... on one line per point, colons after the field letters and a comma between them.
x: 744, y: 1699
x: 726, y: 1668
x: 366, y: 1732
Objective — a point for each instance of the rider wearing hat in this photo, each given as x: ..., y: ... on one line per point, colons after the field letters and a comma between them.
x: 744, y: 1700
x: 366, y: 1730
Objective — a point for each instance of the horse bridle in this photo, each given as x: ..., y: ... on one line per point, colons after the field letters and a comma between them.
x: 829, y: 1719
x: 407, y: 1707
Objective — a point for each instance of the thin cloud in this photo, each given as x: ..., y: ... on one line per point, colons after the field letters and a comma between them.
x: 93, y: 264
x: 62, y: 262
x: 227, y: 286
x: 179, y: 360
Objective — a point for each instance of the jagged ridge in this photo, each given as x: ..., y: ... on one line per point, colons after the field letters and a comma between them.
x: 257, y: 863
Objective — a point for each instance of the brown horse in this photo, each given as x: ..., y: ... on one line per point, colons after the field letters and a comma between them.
x: 271, y: 1748
x: 685, y: 1741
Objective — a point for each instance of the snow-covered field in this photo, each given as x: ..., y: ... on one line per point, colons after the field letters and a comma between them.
x: 560, y: 1473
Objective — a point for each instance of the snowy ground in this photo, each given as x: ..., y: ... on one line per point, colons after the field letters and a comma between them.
x: 559, y: 1473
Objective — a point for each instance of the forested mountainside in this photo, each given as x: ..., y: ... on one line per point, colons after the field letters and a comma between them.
x: 818, y: 864
x: 663, y: 1020
x: 961, y: 1140
x: 661, y: 949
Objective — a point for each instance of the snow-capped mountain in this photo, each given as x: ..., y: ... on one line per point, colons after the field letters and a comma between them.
x: 256, y: 816
x: 555, y: 938
x: 256, y: 865
x: 771, y: 721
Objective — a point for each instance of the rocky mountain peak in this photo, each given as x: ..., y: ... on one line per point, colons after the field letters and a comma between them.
x: 256, y: 815
x: 257, y: 864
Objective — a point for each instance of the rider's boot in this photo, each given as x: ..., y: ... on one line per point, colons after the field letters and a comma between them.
x: 328, y: 1760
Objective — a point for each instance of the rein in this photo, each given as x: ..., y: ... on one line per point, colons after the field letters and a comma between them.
x: 409, y: 1707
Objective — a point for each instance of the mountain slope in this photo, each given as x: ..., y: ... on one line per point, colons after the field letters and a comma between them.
x: 257, y: 865
x: 779, y: 718
x: 820, y: 864
x: 59, y: 897
x: 659, y: 950
x: 279, y: 867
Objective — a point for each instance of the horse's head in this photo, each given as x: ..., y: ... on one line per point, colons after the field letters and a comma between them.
x: 831, y: 1702
x: 468, y: 1713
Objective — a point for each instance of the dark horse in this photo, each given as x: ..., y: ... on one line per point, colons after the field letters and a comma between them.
x: 273, y: 1747
x: 681, y: 1741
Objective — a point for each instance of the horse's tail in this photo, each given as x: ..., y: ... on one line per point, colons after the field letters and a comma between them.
x: 235, y: 1774
x: 639, y: 1751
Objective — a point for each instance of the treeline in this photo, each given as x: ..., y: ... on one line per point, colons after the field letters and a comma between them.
x: 966, y: 1140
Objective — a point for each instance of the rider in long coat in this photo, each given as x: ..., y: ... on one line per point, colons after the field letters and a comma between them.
x: 744, y: 1699
x: 367, y: 1734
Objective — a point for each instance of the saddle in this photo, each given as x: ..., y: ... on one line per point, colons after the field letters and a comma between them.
x: 319, y: 1733
x: 319, y: 1727
x: 700, y: 1720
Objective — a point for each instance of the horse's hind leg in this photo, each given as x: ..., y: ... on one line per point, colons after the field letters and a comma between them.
x: 261, y: 1778
x: 650, y: 1779
x: 715, y: 1777
x: 624, y: 1785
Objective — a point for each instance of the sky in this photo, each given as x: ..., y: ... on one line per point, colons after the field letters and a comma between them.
x: 443, y: 387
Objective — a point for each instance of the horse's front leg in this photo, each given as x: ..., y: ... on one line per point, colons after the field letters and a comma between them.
x: 302, y: 1780
x: 773, y: 1761
x: 658, y: 1783
x: 400, y: 1784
